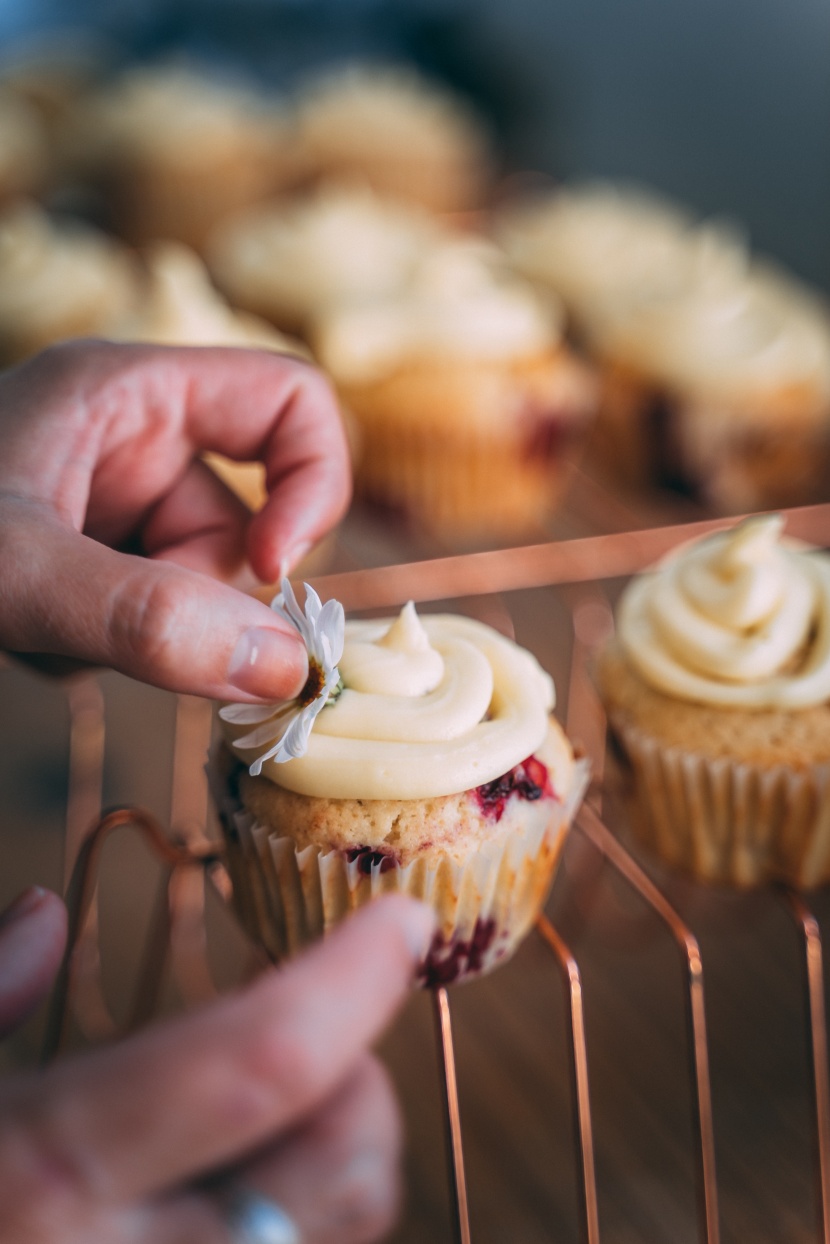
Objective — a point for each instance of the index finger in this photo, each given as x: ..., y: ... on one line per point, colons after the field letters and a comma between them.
x: 103, y: 432
x: 177, y: 1101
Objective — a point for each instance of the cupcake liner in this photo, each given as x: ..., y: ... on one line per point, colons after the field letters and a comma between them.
x: 485, y: 904
x: 727, y: 821
x: 461, y: 483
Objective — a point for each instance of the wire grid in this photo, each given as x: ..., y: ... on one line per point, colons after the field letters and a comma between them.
x: 191, y: 861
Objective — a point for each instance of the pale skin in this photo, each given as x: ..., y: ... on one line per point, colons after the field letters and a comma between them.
x: 273, y: 1085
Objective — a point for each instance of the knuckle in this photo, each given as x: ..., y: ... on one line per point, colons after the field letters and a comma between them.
x: 146, y: 618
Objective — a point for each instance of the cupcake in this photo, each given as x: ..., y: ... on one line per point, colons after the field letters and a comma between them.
x: 468, y: 403
x: 178, y: 305
x: 290, y: 262
x: 717, y: 690
x: 175, y: 151
x: 432, y: 767
x: 600, y: 246
x: 58, y: 279
x: 403, y: 135
x: 726, y: 381
x: 24, y: 148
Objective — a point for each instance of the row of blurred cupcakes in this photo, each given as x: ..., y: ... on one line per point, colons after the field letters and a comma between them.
x: 471, y: 351
x: 170, y: 150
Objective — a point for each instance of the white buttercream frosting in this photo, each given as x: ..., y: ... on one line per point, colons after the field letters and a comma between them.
x: 460, y: 302
x: 339, y: 244
x: 174, y: 111
x: 394, y: 109
x: 430, y: 707
x: 180, y: 306
x: 728, y: 332
x: 741, y: 620
x: 601, y: 246
x: 58, y: 276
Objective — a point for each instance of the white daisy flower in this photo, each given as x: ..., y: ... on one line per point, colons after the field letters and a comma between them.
x: 286, y: 725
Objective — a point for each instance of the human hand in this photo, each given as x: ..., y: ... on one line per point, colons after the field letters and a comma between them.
x: 99, y: 453
x: 271, y: 1087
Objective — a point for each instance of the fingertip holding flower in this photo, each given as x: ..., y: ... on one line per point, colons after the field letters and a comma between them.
x: 284, y: 727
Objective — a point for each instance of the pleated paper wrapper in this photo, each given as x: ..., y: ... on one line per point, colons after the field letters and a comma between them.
x: 726, y: 821
x: 286, y: 897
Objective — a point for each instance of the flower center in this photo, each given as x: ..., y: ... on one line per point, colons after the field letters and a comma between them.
x: 313, y: 684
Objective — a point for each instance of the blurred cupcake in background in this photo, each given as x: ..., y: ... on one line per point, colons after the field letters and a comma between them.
x: 468, y: 403
x: 290, y: 262
x: 404, y: 135
x: 178, y: 305
x: 58, y: 279
x: 175, y: 150
x: 725, y: 384
x: 597, y: 246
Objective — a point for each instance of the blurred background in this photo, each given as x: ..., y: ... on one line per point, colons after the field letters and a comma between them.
x: 723, y: 105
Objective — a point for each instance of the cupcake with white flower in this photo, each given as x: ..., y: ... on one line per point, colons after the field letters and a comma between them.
x: 717, y: 689
x: 421, y: 757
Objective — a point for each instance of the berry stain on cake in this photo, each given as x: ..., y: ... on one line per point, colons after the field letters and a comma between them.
x: 448, y: 961
x: 529, y: 780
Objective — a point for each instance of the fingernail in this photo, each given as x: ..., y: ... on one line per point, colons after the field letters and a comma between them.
x: 259, y: 661
x: 23, y: 904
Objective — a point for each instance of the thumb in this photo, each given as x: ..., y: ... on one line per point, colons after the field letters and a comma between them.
x: 32, y: 940
x: 64, y: 593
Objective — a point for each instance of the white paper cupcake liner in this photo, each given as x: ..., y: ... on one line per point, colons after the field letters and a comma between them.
x: 725, y: 821
x: 485, y: 904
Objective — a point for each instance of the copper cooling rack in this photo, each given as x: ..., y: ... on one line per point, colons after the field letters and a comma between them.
x: 192, y: 862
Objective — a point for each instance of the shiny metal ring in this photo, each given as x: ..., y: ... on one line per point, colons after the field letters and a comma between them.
x: 254, y: 1219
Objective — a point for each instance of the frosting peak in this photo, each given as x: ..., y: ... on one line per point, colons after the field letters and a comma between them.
x: 741, y: 620
x: 402, y: 660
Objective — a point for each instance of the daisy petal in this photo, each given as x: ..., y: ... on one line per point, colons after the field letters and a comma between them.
x: 246, y: 714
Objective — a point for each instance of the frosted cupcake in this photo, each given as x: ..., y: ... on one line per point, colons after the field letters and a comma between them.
x: 432, y: 768
x: 469, y: 405
x: 729, y: 377
x: 400, y: 133
x: 58, y: 279
x: 600, y: 246
x: 175, y: 151
x: 291, y: 262
x: 717, y: 689
x: 178, y: 305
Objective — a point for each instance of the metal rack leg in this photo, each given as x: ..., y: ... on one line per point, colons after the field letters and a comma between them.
x: 452, y: 1117
x: 817, y: 1027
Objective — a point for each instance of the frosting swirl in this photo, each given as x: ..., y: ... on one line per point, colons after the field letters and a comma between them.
x: 430, y: 707
x: 727, y: 332
x: 460, y: 303
x: 340, y: 244
x: 741, y: 620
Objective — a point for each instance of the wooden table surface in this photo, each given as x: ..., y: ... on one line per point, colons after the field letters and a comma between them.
x: 511, y: 1027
